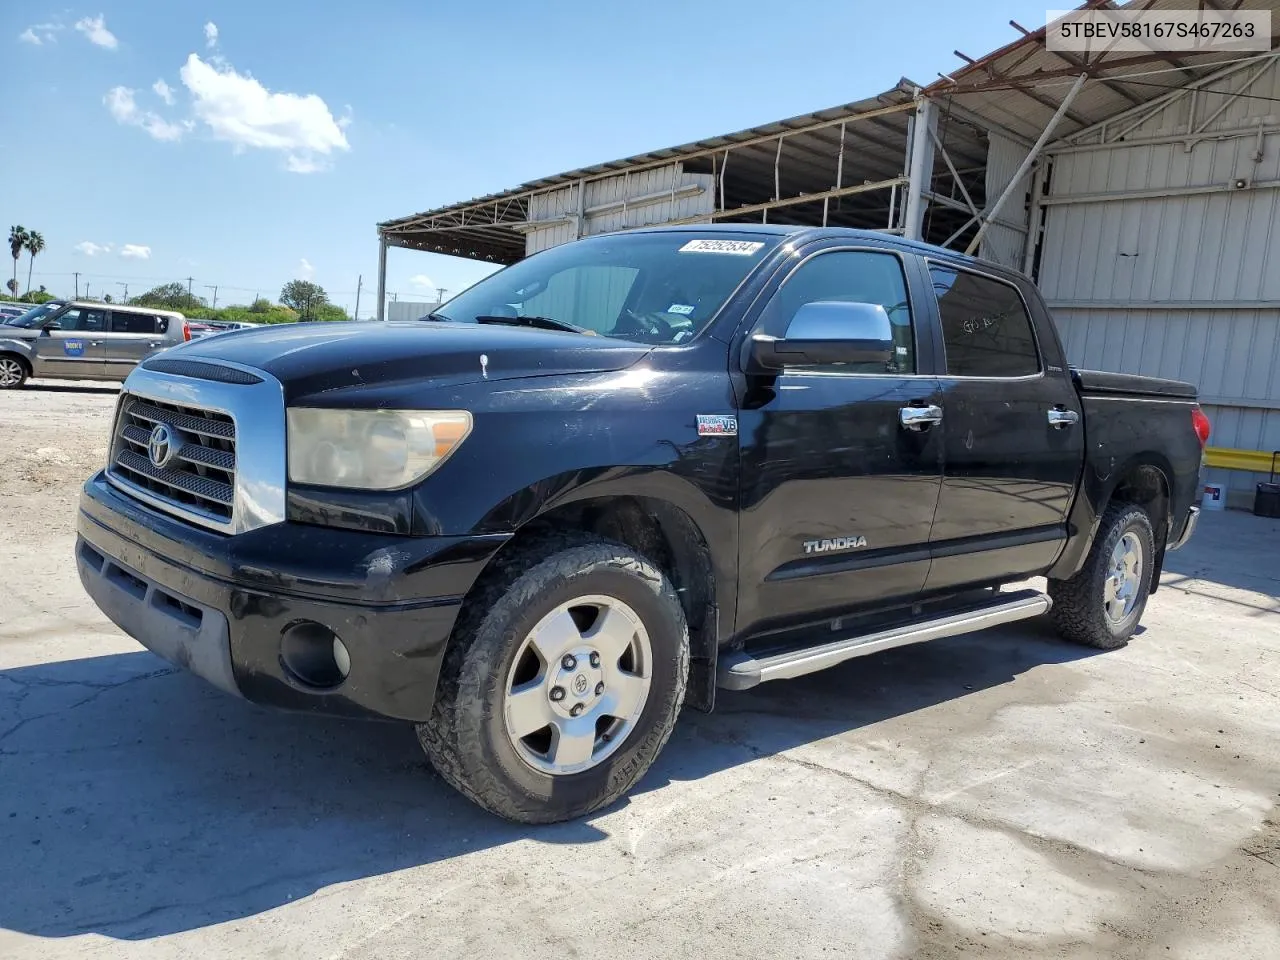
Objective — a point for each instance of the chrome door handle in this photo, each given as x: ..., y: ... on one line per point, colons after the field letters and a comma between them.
x: 95, y: 343
x: 919, y: 418
x: 156, y: 343
x: 1059, y: 418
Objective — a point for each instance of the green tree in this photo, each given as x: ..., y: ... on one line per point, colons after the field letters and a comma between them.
x: 34, y: 244
x: 170, y: 296
x: 37, y: 296
x: 13, y: 287
x: 304, y: 296
x: 330, y: 312
x: 17, y: 243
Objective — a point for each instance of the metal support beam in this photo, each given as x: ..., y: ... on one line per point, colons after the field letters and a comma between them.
x: 382, y: 277
x: 1036, y: 218
x: 1030, y: 158
x: 973, y: 208
x: 923, y: 130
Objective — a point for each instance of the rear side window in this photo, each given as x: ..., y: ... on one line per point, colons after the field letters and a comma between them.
x: 132, y: 323
x: 984, y: 325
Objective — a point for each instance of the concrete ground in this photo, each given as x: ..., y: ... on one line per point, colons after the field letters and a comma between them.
x: 998, y: 795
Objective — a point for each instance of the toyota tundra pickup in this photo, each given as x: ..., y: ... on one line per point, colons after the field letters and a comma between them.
x: 619, y: 474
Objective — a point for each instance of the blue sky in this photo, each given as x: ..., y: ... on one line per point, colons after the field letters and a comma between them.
x: 149, y: 140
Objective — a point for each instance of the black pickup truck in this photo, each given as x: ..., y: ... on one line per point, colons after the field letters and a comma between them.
x: 619, y: 474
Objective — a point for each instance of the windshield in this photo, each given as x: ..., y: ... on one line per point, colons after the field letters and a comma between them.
x: 652, y: 287
x: 33, y: 316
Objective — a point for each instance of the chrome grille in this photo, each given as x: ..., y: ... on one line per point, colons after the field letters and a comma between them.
x: 200, y: 475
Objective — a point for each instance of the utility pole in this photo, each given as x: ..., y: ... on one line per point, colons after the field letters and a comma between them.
x: 86, y: 289
x: 440, y: 292
x: 126, y: 291
x: 359, y: 284
x: 77, y: 276
x: 214, y: 288
x: 189, y: 279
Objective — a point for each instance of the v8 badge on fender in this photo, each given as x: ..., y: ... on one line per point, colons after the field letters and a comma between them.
x: 714, y: 425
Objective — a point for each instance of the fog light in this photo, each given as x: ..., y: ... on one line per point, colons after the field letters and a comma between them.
x: 314, y: 655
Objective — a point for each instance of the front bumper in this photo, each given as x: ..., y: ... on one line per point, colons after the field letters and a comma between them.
x: 218, y: 605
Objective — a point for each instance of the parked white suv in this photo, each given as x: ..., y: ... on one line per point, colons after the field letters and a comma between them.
x: 84, y: 341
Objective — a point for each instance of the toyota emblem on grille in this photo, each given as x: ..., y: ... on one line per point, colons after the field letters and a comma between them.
x: 162, y: 446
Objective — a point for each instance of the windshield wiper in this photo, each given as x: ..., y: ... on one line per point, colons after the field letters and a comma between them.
x: 541, y: 323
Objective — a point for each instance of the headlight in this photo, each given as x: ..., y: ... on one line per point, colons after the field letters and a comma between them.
x: 371, y: 449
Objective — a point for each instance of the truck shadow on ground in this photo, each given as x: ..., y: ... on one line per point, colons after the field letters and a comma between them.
x: 46, y: 386
x: 136, y: 802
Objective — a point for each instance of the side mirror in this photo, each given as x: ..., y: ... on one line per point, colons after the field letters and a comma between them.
x: 828, y: 332
x: 53, y: 325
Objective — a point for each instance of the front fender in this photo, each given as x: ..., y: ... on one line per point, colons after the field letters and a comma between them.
x: 22, y: 348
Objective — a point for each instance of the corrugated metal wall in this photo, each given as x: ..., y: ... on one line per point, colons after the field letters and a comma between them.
x: 659, y: 195
x: 1151, y: 278
x: 1005, y: 244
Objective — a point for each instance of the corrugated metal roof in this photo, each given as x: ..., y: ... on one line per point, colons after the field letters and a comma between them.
x: 1019, y: 86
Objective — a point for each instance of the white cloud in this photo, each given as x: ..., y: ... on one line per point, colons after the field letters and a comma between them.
x: 239, y: 110
x: 423, y: 281
x: 95, y: 28
x: 305, y: 270
x: 211, y: 34
x: 163, y: 91
x: 297, y: 164
x: 122, y: 105
x: 134, y: 251
x: 91, y: 249
x: 38, y: 34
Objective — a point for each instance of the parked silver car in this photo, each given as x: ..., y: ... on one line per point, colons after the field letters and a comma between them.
x: 84, y: 341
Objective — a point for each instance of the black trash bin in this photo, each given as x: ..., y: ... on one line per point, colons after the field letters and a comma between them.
x: 1266, y: 501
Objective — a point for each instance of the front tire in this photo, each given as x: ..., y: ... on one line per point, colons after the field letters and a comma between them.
x: 562, y: 682
x: 13, y: 372
x: 1102, y: 605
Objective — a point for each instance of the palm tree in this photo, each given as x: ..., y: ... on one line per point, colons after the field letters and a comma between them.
x: 34, y: 244
x: 17, y: 242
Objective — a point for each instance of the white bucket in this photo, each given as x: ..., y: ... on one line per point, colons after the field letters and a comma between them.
x: 1215, y: 496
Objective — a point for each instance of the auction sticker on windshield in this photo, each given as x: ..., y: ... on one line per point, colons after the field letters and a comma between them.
x: 738, y: 248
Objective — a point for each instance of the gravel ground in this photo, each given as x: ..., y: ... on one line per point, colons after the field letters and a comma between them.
x: 999, y: 795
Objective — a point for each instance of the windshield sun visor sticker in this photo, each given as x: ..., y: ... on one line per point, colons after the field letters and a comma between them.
x: 737, y: 248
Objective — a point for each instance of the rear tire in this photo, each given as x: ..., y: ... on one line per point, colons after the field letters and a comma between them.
x: 1102, y: 605
x: 13, y: 371
x: 562, y: 682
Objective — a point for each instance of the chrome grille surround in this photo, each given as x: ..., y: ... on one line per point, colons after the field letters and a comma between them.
x: 230, y: 467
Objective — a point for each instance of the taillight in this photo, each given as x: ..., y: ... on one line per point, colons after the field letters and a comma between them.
x: 186, y: 335
x: 1200, y: 423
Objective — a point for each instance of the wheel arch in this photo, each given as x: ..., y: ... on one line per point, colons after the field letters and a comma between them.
x: 1145, y: 479
x: 663, y: 532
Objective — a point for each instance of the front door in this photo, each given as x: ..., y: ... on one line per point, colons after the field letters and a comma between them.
x: 131, y: 339
x: 837, y: 495
x: 1009, y: 473
x: 72, y: 347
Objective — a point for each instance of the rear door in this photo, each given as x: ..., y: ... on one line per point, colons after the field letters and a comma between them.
x: 73, y: 346
x: 837, y: 495
x: 1012, y: 455
x: 131, y: 338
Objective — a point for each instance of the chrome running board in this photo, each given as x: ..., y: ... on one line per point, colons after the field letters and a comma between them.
x: 741, y: 671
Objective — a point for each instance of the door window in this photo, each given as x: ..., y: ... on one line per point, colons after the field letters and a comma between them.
x: 985, y: 326
x: 132, y: 322
x: 82, y: 320
x: 854, y: 276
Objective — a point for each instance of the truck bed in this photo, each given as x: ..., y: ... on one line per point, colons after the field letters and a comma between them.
x: 1130, y: 384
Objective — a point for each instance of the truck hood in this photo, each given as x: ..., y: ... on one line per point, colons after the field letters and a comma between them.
x: 318, y: 357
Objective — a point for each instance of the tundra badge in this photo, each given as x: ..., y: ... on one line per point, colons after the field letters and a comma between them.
x: 836, y: 543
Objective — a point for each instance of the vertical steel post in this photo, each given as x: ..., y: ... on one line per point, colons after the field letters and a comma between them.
x: 382, y: 277
x: 921, y: 171
x: 1033, y: 220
